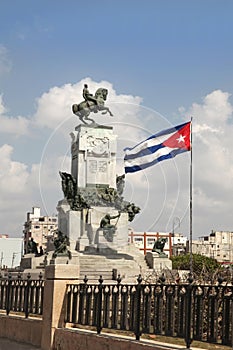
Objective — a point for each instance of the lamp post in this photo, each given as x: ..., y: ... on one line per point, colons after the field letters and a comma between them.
x: 174, y: 224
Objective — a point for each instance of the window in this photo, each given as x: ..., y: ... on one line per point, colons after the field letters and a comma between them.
x: 36, y: 226
x: 150, y: 241
x: 138, y: 239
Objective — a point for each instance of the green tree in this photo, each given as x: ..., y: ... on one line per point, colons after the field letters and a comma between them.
x: 201, y: 263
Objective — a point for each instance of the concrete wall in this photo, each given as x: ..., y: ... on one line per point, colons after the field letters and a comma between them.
x: 29, y: 331
x: 21, y: 329
x: 68, y: 339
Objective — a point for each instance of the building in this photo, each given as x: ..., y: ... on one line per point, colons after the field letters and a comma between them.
x: 218, y: 245
x: 179, y: 244
x: 38, y: 227
x: 176, y: 242
x: 145, y: 241
x: 10, y: 251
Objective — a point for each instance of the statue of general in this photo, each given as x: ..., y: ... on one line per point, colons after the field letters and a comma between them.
x: 91, y: 104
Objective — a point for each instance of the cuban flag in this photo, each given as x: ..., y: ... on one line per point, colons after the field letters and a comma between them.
x: 164, y: 145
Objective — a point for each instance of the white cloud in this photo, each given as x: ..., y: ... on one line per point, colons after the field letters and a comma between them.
x: 54, y: 106
x: 15, y: 126
x: 214, y: 111
x: 21, y: 188
x: 13, y: 175
x: 212, y: 162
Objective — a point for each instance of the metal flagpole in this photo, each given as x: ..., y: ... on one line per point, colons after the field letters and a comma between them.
x: 191, y: 203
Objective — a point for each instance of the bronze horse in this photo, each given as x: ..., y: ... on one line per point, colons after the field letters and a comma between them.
x: 83, y: 109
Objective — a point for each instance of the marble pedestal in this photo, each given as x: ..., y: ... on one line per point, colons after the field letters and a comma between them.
x: 83, y: 228
x: 71, y: 223
x: 93, y: 167
x: 95, y: 234
x: 30, y: 261
x: 64, y: 259
x: 158, y: 263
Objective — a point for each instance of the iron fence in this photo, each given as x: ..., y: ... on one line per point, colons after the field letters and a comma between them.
x: 22, y: 296
x: 186, y: 310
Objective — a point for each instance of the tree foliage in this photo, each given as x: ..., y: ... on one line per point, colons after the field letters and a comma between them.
x: 200, y: 263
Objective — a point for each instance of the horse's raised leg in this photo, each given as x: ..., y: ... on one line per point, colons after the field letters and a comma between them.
x: 105, y: 110
x: 108, y: 110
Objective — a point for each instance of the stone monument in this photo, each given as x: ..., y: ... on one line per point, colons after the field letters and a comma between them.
x: 93, y: 213
x: 157, y: 259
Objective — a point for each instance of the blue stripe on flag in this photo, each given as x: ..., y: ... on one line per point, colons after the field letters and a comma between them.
x: 172, y: 154
x: 144, y: 152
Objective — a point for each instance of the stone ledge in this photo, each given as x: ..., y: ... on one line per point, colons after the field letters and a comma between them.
x: 62, y: 272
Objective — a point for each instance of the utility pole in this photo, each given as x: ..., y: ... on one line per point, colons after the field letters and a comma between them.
x: 1, y: 260
x: 13, y: 259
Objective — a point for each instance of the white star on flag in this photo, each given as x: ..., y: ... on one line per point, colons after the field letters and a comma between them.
x: 181, y: 138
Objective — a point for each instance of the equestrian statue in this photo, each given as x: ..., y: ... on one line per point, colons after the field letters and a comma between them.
x: 91, y: 104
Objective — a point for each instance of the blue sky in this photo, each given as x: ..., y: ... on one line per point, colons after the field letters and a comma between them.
x: 169, y: 52
x: 172, y: 54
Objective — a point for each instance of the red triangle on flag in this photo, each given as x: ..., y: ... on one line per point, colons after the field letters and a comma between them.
x: 180, y: 139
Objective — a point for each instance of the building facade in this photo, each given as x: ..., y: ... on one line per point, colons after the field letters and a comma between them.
x: 145, y: 241
x: 38, y: 227
x: 175, y: 245
x: 179, y: 244
x: 218, y: 245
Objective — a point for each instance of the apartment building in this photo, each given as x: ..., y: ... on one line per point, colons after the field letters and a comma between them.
x: 218, y: 245
x: 38, y: 227
x: 176, y: 242
x: 179, y: 244
x: 145, y: 241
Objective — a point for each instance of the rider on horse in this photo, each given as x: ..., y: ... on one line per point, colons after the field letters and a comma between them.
x: 87, y: 96
x: 91, y: 104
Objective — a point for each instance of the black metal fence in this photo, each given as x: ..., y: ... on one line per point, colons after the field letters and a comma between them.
x: 21, y: 296
x: 187, y: 310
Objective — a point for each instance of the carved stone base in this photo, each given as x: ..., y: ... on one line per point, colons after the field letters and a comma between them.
x: 82, y: 227
x: 158, y: 263
x: 64, y: 259
x: 29, y: 261
x: 71, y: 222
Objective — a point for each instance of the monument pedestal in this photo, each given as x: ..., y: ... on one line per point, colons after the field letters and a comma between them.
x: 95, y: 233
x: 71, y: 222
x: 65, y: 260
x: 89, y: 214
x: 30, y: 261
x: 83, y: 227
x: 157, y: 262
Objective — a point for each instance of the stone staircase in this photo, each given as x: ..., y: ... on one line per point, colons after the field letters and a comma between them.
x: 128, y: 263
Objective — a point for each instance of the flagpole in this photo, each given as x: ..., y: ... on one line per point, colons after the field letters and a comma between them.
x: 191, y: 202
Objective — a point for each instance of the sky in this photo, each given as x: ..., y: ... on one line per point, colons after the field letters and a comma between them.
x: 162, y: 61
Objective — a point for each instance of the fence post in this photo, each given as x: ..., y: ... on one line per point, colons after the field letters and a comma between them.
x: 26, y: 295
x: 99, y: 306
x: 137, y: 329
x: 54, y: 307
x: 188, y: 339
x: 8, y: 294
